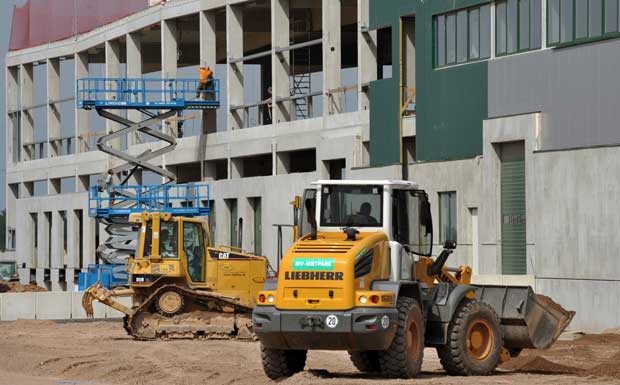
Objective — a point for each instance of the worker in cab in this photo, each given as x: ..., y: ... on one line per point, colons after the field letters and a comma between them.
x: 205, y: 83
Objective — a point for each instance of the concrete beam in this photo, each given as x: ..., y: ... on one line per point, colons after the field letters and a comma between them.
x: 332, y: 56
x: 281, y: 62
x: 82, y: 117
x: 366, y: 54
x: 234, y: 49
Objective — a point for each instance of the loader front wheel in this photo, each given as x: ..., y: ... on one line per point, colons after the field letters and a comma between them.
x: 403, y: 359
x: 282, y: 363
x: 366, y: 361
x: 474, y: 341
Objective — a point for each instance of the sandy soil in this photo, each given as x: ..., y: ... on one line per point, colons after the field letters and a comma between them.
x: 99, y: 353
x: 16, y: 287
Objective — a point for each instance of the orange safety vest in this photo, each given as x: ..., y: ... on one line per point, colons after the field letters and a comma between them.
x: 205, y: 74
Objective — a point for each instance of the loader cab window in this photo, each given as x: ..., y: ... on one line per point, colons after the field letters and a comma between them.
x: 168, y: 240
x: 193, y: 246
x: 412, y: 223
x: 148, y: 240
x: 352, y: 206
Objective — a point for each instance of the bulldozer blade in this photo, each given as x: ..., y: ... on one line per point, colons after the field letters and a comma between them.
x: 528, y: 320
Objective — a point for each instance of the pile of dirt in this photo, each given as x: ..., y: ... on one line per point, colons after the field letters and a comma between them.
x: 538, y: 365
x: 610, y: 368
x: 16, y: 287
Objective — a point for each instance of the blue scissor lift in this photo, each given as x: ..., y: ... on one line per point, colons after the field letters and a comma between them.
x: 157, y: 99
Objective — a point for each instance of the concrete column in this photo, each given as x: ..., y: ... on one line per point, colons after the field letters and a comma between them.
x: 53, y: 113
x: 281, y: 62
x: 134, y: 70
x: 236, y: 168
x: 209, y: 171
x: 234, y: 49
x: 43, y: 240
x: 169, y: 48
x: 332, y: 63
x: 27, y: 121
x: 82, y: 119
x: 11, y: 209
x: 55, y: 280
x: 12, y: 104
x: 73, y: 240
x: 57, y: 257
x: 366, y: 54
x: 169, y: 52
x: 88, y: 230
x: 25, y: 251
x: 208, y: 57
x: 113, y: 70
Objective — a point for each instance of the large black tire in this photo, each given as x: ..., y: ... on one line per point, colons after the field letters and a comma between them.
x: 366, y: 361
x: 403, y: 359
x: 282, y: 363
x: 475, y: 341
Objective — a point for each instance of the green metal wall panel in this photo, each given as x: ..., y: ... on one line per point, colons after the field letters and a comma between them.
x: 451, y: 102
x: 384, y: 126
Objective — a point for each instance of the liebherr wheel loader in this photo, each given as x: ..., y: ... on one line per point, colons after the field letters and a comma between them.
x: 361, y: 278
x: 181, y: 287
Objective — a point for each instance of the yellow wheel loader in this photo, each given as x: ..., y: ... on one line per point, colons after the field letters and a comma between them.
x: 361, y: 278
x: 181, y: 287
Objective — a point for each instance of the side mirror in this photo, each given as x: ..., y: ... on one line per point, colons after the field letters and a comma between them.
x: 450, y: 245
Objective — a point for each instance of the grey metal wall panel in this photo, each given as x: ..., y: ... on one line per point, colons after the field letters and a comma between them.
x: 578, y: 88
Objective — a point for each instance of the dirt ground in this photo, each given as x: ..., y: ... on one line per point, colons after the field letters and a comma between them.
x: 46, y: 353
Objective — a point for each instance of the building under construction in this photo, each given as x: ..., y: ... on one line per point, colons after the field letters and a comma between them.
x: 505, y: 111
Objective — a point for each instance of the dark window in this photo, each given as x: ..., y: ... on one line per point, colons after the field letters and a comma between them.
x: 581, y: 20
x: 462, y: 36
x: 517, y: 26
x: 168, y: 240
x: 193, y: 246
x: 447, y: 216
x: 357, y: 206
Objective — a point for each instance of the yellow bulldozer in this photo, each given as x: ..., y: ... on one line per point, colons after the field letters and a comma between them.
x: 361, y: 278
x: 181, y: 286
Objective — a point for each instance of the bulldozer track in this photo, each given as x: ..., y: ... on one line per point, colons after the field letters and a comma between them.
x: 213, y: 317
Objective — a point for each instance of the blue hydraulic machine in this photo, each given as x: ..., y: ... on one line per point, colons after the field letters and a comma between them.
x: 114, y: 199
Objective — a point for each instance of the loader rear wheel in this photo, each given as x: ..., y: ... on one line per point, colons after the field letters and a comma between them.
x: 474, y: 341
x: 366, y: 361
x: 282, y: 363
x: 403, y: 359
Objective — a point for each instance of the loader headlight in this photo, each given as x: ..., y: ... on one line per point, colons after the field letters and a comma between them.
x: 271, y: 299
x: 363, y: 300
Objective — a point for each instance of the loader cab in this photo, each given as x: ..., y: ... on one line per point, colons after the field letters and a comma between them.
x: 397, y: 208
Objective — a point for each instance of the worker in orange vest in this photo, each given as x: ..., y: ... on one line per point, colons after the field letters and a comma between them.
x: 205, y: 84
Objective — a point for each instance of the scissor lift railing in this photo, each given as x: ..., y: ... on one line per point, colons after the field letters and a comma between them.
x: 127, y: 93
x: 121, y: 201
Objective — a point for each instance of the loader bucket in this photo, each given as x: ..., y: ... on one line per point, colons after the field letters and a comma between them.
x: 528, y: 320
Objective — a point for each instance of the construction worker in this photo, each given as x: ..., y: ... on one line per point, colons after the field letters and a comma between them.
x: 205, y: 84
